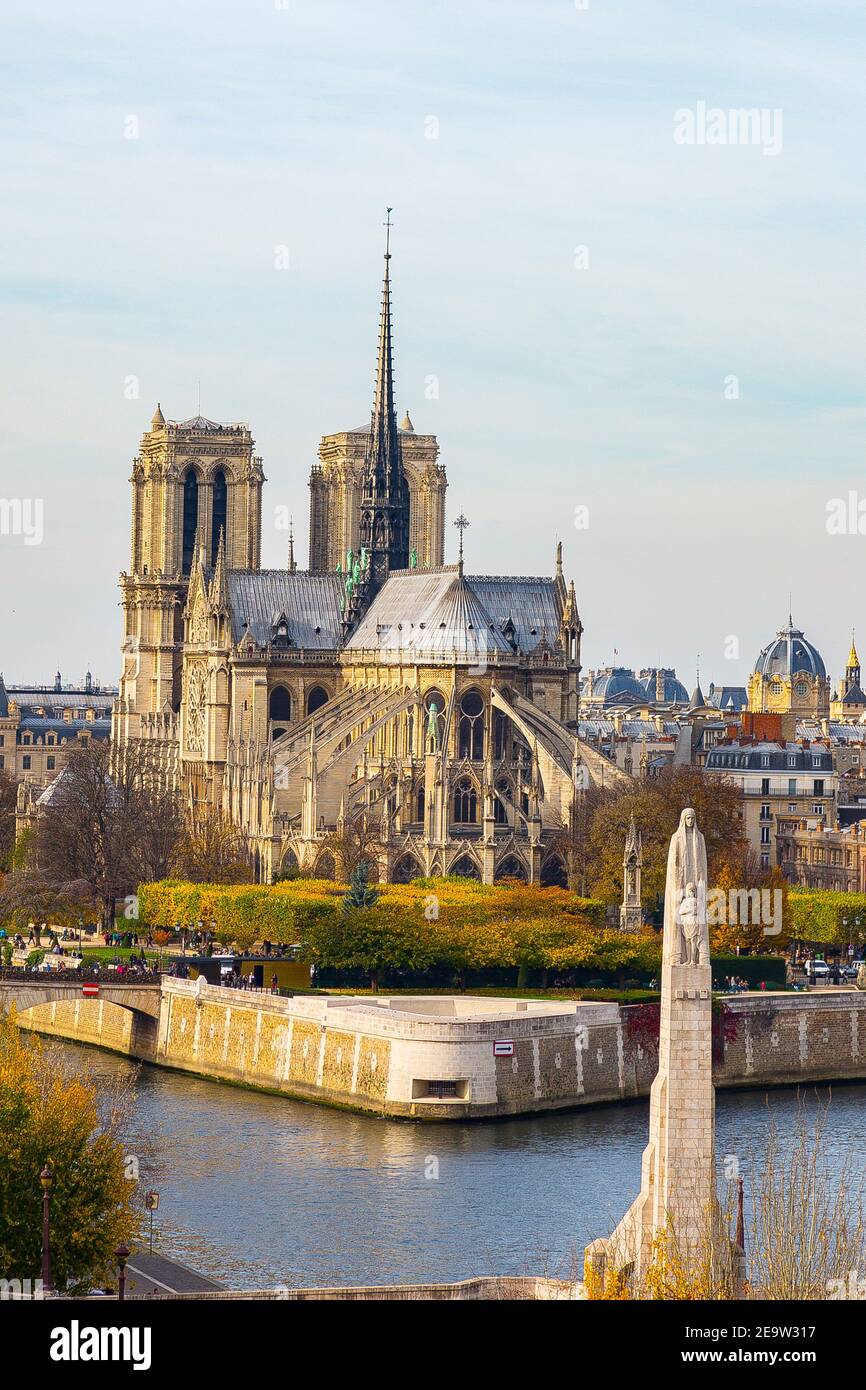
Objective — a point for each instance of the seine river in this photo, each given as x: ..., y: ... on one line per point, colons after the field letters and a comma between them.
x: 259, y: 1191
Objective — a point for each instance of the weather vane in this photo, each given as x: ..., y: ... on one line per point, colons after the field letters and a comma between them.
x: 388, y: 224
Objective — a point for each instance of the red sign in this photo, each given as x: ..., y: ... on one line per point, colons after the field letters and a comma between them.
x: 503, y: 1049
x: 89, y: 990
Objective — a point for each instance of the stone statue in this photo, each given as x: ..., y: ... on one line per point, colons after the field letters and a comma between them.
x: 686, y: 938
x: 433, y: 723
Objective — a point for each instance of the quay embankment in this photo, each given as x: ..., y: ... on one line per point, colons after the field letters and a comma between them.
x: 457, y: 1057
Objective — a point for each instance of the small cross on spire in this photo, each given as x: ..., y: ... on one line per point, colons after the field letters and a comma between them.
x: 461, y: 523
x: 388, y: 224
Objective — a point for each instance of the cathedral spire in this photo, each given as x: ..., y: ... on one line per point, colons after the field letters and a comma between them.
x: 219, y: 590
x: 292, y: 565
x: 384, y: 530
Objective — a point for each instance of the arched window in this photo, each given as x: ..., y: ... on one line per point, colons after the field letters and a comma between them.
x: 502, y: 799
x: 471, y: 727
x: 464, y: 867
x: 190, y: 519
x: 317, y: 697
x: 280, y: 707
x: 406, y: 869
x: 219, y: 512
x: 419, y: 805
x: 511, y: 867
x: 465, y: 803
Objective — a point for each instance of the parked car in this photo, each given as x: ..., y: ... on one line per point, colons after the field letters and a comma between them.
x: 817, y: 970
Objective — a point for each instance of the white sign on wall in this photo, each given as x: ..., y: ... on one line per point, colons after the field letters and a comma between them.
x: 503, y: 1049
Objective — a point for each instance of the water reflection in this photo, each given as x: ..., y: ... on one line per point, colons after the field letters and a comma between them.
x: 258, y: 1190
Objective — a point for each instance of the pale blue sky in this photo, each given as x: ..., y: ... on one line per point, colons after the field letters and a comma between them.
x: 261, y: 126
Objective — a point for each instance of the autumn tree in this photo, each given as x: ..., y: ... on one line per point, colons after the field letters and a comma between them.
x: 50, y: 1114
x: 355, y: 841
x: 104, y: 828
x: 212, y: 850
x: 656, y: 805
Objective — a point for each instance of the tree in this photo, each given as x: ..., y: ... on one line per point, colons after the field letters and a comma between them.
x: 354, y: 842
x: 212, y: 850
x: 572, y: 840
x: 49, y: 1113
x: 8, y: 802
x: 656, y: 806
x: 103, y: 828
x: 359, y: 892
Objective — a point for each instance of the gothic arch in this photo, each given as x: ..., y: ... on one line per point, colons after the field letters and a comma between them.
x: 553, y: 873
x: 465, y: 867
x: 405, y: 869
x: 325, y: 866
x: 470, y: 726
x: 317, y: 697
x: 280, y: 704
x: 465, y: 802
x: 189, y: 517
x: 511, y: 867
x: 218, y: 511
x: 289, y: 863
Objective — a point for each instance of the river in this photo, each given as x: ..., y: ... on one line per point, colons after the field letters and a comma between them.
x: 259, y: 1191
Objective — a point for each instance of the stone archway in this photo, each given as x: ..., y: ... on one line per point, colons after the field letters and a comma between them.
x: 325, y: 867
x: 465, y: 867
x: 553, y: 873
x: 405, y: 869
x: 511, y: 867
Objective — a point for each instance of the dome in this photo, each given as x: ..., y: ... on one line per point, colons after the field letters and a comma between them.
x: 789, y: 655
x: 618, y: 686
x: 673, y: 690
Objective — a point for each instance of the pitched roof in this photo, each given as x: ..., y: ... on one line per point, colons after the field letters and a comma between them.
x: 433, y: 613
x: 311, y: 602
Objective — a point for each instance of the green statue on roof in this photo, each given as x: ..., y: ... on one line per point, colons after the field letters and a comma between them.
x: 413, y: 559
x: 433, y: 724
x: 339, y: 567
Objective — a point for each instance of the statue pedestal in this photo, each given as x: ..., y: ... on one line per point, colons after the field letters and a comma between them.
x: 677, y: 1200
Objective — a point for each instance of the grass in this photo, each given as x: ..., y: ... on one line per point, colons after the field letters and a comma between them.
x: 111, y: 953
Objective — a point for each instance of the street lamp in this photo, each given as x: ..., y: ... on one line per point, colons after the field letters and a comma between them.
x: 46, y: 1177
x: 121, y: 1254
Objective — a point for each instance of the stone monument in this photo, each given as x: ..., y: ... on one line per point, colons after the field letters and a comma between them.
x: 677, y: 1197
x: 631, y: 912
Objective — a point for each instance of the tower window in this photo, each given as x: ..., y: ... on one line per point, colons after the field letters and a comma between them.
x: 190, y: 519
x: 316, y: 698
x: 280, y: 703
x: 219, y: 512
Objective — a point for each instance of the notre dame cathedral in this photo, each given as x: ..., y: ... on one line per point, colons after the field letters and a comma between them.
x: 379, y: 681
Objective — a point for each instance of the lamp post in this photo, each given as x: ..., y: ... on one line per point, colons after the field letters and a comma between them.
x: 46, y: 1177
x: 121, y: 1254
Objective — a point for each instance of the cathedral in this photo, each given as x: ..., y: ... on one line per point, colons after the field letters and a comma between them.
x: 441, y: 705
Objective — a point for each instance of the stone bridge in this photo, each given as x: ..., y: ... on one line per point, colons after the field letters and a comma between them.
x: 26, y: 991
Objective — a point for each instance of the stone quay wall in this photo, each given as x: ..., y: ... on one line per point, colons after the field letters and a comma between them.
x: 434, y: 1057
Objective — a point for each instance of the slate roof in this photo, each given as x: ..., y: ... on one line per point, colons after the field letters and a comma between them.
x: 31, y: 698
x: 429, y: 613
x: 311, y: 603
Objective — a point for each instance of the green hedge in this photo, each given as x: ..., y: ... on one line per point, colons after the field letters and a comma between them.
x: 817, y: 915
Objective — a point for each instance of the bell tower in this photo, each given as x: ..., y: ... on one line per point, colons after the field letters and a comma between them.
x: 192, y: 482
